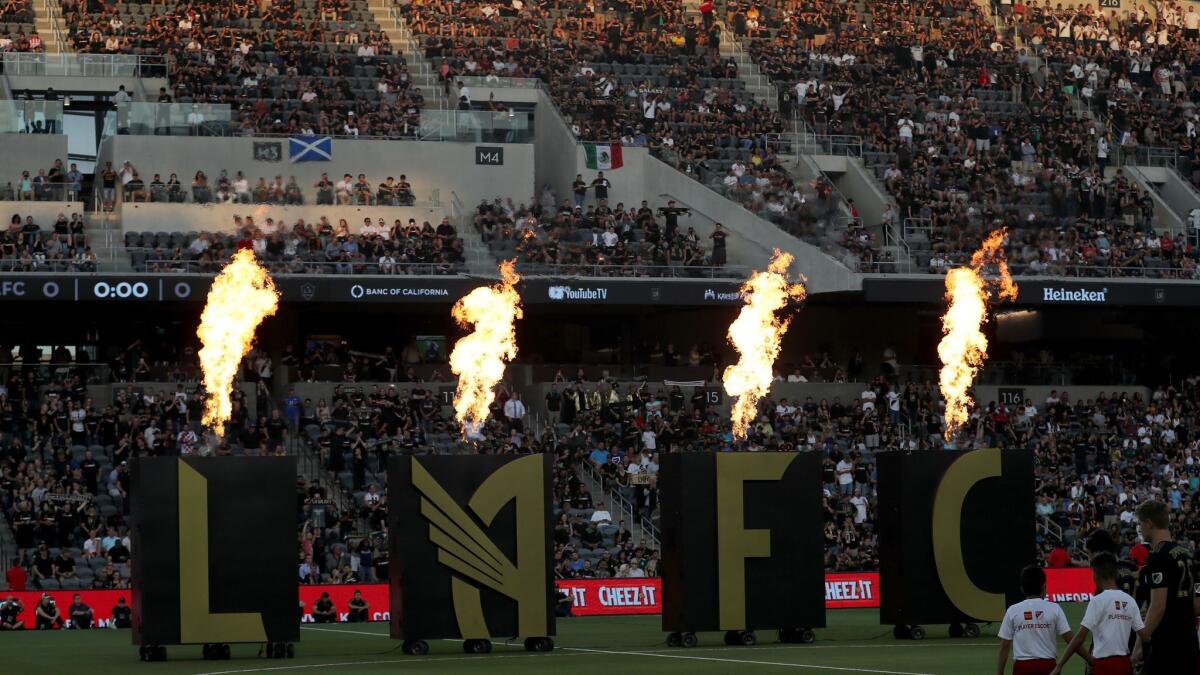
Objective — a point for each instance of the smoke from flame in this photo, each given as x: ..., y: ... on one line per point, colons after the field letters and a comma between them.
x: 756, y: 335
x: 242, y: 295
x: 479, y: 358
x: 963, y: 348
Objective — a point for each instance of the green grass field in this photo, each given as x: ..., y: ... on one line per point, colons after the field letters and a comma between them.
x: 854, y: 642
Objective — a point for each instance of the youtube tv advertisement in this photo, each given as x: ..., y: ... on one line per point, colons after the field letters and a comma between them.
x: 589, y: 597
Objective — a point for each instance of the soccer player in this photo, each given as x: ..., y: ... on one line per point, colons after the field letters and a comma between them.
x: 1111, y: 615
x: 1171, y: 615
x: 1031, y: 628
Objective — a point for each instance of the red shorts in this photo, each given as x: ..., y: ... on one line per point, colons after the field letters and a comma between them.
x: 1033, y: 667
x: 1112, y: 665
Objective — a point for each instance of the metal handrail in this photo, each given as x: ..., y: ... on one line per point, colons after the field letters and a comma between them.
x: 1051, y: 528
x: 309, y: 267
x: 624, y: 270
x: 649, y: 529
x: 55, y: 17
x: 1066, y: 271
x: 85, y: 65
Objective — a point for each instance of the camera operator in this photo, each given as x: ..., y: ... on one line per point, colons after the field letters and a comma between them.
x: 671, y: 213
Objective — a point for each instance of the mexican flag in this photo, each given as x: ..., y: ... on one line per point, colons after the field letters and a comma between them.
x: 603, y: 157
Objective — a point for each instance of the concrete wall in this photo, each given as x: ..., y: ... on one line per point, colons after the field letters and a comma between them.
x: 752, y: 238
x: 856, y: 184
x: 556, y: 148
x: 44, y: 213
x: 434, y: 169
x: 1166, y: 216
x: 1177, y: 192
x: 219, y: 217
x: 30, y: 152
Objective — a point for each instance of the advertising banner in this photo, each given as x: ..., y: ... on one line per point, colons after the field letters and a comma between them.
x: 1048, y: 292
x: 360, y: 289
x: 589, y: 597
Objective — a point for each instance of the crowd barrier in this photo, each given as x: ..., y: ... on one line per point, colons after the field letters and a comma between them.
x: 589, y: 597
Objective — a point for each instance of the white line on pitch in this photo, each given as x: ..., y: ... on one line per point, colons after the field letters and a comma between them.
x: 440, y: 659
x: 756, y: 648
x: 780, y: 664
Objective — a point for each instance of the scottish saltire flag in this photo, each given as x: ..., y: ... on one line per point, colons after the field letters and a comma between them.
x: 310, y: 149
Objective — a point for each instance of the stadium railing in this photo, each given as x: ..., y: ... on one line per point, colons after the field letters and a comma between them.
x: 173, y: 119
x: 619, y: 503
x: 480, y: 126
x: 85, y: 65
x: 619, y: 270
x: 310, y: 267
x: 21, y: 116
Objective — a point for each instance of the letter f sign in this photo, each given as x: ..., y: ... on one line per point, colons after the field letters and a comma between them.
x: 735, y: 542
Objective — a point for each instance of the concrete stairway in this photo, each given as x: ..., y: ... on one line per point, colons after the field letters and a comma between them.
x: 104, y: 236
x: 49, y: 22
x: 422, y: 73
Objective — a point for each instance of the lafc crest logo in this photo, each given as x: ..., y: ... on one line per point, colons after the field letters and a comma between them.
x: 464, y: 546
x: 1156, y: 577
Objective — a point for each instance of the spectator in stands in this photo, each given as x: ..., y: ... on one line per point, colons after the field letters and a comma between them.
x: 16, y: 576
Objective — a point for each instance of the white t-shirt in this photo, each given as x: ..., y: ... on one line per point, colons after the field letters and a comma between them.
x: 860, y: 508
x: 1034, y: 626
x: 845, y: 472
x: 1111, y: 616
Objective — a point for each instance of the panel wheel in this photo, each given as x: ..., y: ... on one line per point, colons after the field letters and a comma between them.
x: 206, y: 652
x: 477, y: 646
x: 223, y: 652
x: 674, y: 640
x: 748, y: 638
x: 539, y: 644
x: 806, y: 636
x: 956, y: 630
x: 415, y: 647
x: 290, y: 651
x: 917, y: 632
x: 900, y: 632
x: 688, y: 640
x: 971, y: 630
x: 732, y: 638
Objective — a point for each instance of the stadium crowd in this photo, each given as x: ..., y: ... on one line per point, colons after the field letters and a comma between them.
x: 605, y: 240
x: 306, y: 248
x: 26, y: 247
x: 64, y: 472
x: 286, y: 67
